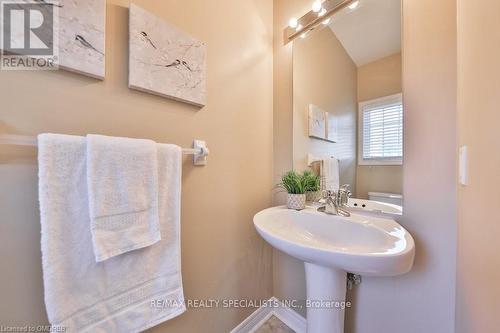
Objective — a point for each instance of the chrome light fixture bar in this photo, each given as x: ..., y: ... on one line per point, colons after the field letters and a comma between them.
x: 312, y: 19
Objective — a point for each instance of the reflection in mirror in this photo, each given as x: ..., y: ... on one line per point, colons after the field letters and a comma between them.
x: 347, y: 98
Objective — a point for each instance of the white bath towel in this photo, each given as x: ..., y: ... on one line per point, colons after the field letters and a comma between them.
x: 331, y: 173
x: 127, y: 293
x: 122, y: 181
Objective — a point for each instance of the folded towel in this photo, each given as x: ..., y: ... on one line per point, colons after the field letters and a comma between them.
x: 122, y: 180
x: 331, y: 174
x: 116, y: 295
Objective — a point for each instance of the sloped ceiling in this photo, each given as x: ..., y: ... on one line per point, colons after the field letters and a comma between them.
x: 371, y: 31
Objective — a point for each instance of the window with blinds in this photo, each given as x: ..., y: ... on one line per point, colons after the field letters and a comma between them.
x: 381, y: 131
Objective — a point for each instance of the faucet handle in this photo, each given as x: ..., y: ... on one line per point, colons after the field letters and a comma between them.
x: 329, y: 194
x: 346, y: 190
x: 346, y: 187
x: 344, y: 194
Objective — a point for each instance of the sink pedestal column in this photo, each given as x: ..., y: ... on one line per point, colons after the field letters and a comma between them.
x: 325, y: 287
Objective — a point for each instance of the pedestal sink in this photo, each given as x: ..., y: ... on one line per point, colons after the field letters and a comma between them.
x: 331, y: 246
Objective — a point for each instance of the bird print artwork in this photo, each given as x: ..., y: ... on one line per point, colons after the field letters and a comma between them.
x: 185, y: 64
x: 84, y: 42
x: 145, y: 35
x: 317, y: 122
x: 45, y: 2
x: 177, y: 63
x: 81, y: 35
x: 164, y: 60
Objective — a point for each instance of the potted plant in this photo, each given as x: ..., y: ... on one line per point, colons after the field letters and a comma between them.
x: 312, y: 184
x: 293, y: 184
x: 297, y: 185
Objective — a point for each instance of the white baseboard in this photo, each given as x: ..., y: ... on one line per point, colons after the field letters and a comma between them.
x: 275, y: 308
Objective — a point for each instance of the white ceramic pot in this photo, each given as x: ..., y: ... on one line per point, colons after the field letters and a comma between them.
x: 296, y: 201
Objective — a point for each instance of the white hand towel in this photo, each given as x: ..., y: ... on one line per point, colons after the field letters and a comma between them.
x: 331, y: 174
x: 127, y: 293
x: 122, y: 180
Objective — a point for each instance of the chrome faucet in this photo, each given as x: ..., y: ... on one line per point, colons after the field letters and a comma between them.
x: 344, y: 195
x: 331, y: 206
x: 336, y: 202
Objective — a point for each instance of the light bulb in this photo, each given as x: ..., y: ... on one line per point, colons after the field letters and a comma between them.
x: 299, y: 27
x: 354, y: 5
x: 293, y: 23
x: 327, y: 21
x: 303, y: 35
x: 322, y: 12
x: 317, y: 6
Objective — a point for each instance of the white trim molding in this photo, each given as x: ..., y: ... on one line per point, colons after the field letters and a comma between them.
x: 272, y: 307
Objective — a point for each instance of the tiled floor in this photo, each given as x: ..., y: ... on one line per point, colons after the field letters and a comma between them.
x: 274, y: 325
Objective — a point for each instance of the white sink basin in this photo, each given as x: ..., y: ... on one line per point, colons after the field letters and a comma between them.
x: 358, y: 244
x: 375, y: 208
x: 331, y: 246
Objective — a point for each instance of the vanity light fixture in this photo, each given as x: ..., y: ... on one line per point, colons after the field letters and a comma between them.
x: 354, y: 5
x: 317, y: 6
x: 320, y: 14
x: 293, y: 23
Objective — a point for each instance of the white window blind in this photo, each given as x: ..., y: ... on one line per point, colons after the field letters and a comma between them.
x: 381, y: 128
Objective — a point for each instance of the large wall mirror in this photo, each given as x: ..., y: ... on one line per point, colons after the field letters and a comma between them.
x: 347, y: 98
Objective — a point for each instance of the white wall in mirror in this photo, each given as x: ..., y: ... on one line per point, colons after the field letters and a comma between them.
x: 324, y: 75
x: 371, y: 31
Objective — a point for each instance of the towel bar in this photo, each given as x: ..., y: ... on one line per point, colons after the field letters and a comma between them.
x: 199, y: 150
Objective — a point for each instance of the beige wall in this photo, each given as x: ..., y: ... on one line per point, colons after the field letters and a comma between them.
x: 378, y: 79
x: 378, y: 178
x: 478, y: 292
x: 222, y: 255
x: 325, y: 75
x: 424, y: 299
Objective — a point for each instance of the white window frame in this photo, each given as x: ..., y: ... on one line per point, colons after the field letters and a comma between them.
x: 361, y: 105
